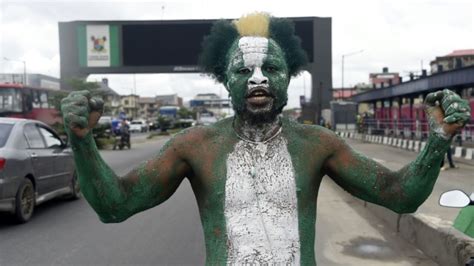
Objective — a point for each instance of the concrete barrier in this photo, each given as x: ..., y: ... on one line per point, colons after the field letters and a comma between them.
x: 404, y: 144
x: 417, y: 146
x: 399, y: 144
x: 469, y: 152
x: 385, y: 140
x: 435, y: 237
x: 410, y: 145
x: 395, y: 142
x: 423, y: 144
x: 458, y: 152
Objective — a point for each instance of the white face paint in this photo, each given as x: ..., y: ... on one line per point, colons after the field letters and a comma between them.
x: 261, y: 205
x: 254, y: 51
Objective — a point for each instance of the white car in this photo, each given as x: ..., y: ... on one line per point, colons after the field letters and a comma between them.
x: 138, y: 126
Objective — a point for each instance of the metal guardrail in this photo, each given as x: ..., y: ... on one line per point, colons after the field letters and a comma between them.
x: 410, y: 129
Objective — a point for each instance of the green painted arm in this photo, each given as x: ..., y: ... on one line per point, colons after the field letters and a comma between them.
x: 404, y: 190
x: 465, y: 221
x: 116, y: 198
x: 401, y: 191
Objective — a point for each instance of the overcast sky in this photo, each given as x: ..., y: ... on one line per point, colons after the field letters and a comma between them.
x: 399, y: 34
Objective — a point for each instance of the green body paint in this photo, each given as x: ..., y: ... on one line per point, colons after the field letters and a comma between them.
x: 313, y: 149
x: 200, y: 154
x: 465, y: 221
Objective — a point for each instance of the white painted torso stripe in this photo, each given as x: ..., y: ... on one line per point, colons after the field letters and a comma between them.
x: 261, y: 211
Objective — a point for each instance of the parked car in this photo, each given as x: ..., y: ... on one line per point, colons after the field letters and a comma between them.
x: 35, y: 166
x: 138, y: 125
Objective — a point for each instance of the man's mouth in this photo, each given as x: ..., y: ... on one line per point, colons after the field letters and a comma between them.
x: 259, y: 96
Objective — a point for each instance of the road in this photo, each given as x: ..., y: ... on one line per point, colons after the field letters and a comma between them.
x: 395, y: 158
x: 69, y: 232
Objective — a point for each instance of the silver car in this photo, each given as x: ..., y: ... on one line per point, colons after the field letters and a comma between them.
x: 35, y: 166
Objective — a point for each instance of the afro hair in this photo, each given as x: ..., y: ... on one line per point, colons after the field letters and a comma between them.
x: 224, y: 33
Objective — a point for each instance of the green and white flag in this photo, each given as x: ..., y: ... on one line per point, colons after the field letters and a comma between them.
x: 98, y: 45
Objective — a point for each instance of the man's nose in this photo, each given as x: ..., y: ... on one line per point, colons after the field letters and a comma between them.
x: 257, y: 77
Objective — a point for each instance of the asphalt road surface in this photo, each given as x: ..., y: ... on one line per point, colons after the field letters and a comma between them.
x: 395, y: 158
x: 69, y: 232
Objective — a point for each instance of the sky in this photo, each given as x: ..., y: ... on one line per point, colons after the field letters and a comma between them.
x: 403, y: 35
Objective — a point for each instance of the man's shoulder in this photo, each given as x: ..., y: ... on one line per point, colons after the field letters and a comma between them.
x: 205, y: 133
x: 305, y: 130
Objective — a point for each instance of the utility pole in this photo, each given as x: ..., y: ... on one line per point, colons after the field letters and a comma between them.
x: 25, y: 77
x: 342, y: 71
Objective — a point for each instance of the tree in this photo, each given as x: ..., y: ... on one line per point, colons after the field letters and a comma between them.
x: 76, y: 85
x: 185, y: 113
x: 165, y: 123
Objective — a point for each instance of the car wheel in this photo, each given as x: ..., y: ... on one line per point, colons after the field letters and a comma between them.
x: 75, y: 188
x: 25, y: 201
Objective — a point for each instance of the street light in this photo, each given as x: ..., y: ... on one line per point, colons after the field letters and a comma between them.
x: 25, y: 81
x: 342, y: 79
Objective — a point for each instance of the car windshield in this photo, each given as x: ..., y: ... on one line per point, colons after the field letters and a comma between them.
x: 10, y: 100
x: 137, y: 123
x: 4, y: 133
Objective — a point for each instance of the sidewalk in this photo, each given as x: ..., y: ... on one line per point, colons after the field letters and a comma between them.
x: 349, y: 234
x: 430, y: 228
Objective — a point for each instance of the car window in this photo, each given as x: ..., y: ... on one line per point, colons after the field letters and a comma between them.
x: 33, y: 137
x: 52, y: 141
x: 4, y: 133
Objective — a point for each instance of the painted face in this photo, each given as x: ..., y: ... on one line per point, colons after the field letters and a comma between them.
x: 257, y: 77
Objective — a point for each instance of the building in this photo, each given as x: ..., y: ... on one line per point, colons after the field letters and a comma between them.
x: 148, y: 107
x: 32, y: 80
x: 453, y: 60
x: 343, y: 93
x: 212, y: 103
x: 112, y: 100
x: 384, y: 79
x: 169, y: 100
x: 130, y: 105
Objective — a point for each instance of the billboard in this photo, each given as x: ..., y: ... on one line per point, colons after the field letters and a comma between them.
x: 98, y: 45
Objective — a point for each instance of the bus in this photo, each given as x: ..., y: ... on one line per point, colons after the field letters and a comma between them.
x: 19, y: 101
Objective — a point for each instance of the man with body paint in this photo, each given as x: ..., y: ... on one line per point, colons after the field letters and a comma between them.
x: 256, y: 175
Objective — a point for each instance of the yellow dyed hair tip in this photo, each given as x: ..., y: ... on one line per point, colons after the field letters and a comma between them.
x: 254, y: 24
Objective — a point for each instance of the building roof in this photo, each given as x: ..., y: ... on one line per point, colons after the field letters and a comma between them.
x: 461, y: 52
x: 106, y: 89
x: 147, y: 100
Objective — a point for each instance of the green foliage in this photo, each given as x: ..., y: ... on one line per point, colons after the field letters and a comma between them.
x: 76, y: 85
x: 59, y: 128
x: 81, y: 84
x: 185, y: 113
x: 55, y: 100
x: 103, y: 143
x: 165, y: 123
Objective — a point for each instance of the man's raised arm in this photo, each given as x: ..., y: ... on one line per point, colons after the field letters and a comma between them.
x: 404, y: 190
x: 117, y: 198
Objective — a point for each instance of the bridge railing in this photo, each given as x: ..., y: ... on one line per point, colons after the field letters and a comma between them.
x: 409, y: 129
